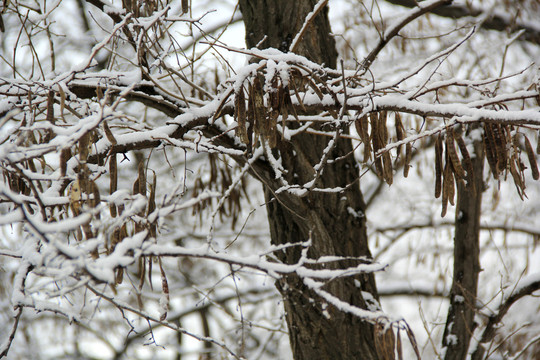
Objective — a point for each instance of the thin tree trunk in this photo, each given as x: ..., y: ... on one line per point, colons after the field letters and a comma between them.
x: 335, y: 222
x: 460, y: 320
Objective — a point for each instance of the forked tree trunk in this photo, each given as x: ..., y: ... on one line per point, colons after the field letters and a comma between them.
x: 334, y: 222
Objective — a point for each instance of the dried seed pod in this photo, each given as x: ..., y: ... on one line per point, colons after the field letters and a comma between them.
x: 452, y: 154
x: 142, y: 271
x: 465, y: 155
x: 108, y: 133
x: 408, y: 157
x: 384, y: 341
x: 152, y: 197
x: 99, y: 93
x: 383, y: 118
x: 500, y: 143
x: 376, y: 141
x: 119, y: 276
x: 50, y: 107
x: 532, y: 158
x: 257, y: 99
x: 185, y: 6
x: 491, y: 152
x: 241, y: 116
x: 84, y: 147
x: 150, y: 262
x: 271, y: 136
x: 538, y: 143
x: 387, y: 168
x: 448, y: 190
x: 275, y: 96
x: 165, y: 288
x: 142, y: 178
x: 518, y: 181
x: 65, y: 155
x: 361, y: 125
x: 400, y: 131
x: 438, y: 166
x: 96, y: 197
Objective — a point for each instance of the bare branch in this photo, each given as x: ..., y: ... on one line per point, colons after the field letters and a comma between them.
x: 489, y: 20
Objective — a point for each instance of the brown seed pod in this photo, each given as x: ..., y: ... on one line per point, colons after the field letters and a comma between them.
x: 108, y: 133
x: 384, y: 341
x: 491, y: 152
x: 119, y: 276
x: 274, y: 94
x: 65, y: 155
x: 438, y: 166
x: 387, y: 168
x: 271, y: 136
x: 452, y: 154
x: 538, y: 143
x: 152, y: 197
x: 532, y: 158
x: 84, y: 147
x: 383, y: 118
x: 273, y: 114
x: 376, y: 141
x: 465, y: 155
x: 165, y: 288
x: 399, y: 348
x: 241, y: 116
x: 451, y: 188
x: 361, y: 125
x: 96, y: 197
x: 141, y: 178
x: 500, y: 143
x: 518, y: 181
x: 142, y: 271
x: 50, y: 107
x: 448, y: 190
x: 258, y: 106
x: 400, y: 131
x: 99, y: 93
x: 408, y: 157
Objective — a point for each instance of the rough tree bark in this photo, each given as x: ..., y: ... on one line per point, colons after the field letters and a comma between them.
x: 460, y: 320
x: 335, y: 222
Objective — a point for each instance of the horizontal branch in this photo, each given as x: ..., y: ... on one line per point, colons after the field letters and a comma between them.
x: 529, y: 230
x: 492, y: 21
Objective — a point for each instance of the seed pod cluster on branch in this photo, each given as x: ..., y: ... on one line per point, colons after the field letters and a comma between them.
x: 259, y: 119
x: 379, y: 139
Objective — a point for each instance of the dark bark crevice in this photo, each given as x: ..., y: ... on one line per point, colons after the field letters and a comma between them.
x: 334, y: 222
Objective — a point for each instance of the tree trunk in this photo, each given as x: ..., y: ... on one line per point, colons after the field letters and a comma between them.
x: 460, y: 320
x: 335, y: 222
